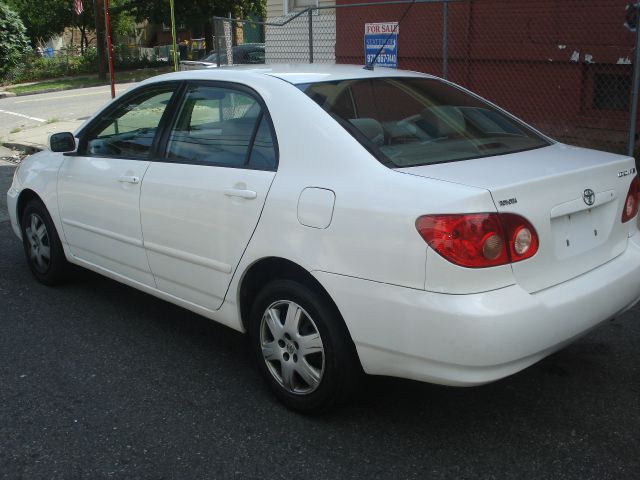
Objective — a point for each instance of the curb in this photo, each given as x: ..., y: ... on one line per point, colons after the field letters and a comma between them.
x: 4, y: 94
x: 28, y: 149
x: 46, y: 90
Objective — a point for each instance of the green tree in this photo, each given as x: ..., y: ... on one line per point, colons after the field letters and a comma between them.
x: 44, y: 18
x: 196, y: 14
x: 122, y: 22
x: 14, y: 42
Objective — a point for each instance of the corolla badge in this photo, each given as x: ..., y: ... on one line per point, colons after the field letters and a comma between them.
x: 624, y: 173
x: 589, y: 197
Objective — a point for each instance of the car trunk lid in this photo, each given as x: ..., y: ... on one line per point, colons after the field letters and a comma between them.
x: 552, y: 187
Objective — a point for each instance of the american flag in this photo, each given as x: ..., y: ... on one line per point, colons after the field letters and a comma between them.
x: 77, y: 7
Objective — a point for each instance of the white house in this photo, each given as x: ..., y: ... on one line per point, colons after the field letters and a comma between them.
x: 290, y: 43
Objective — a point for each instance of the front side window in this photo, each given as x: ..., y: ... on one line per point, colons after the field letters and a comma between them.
x: 406, y: 122
x: 222, y: 127
x: 129, y: 129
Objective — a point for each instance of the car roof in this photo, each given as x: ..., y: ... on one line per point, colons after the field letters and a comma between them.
x: 295, y: 73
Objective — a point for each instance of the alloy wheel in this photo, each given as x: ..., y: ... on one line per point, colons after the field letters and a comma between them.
x: 292, y: 347
x: 39, y: 243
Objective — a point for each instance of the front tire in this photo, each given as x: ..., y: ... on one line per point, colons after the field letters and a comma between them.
x: 42, y: 246
x: 302, y: 347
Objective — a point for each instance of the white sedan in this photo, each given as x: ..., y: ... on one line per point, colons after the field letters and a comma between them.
x: 349, y: 220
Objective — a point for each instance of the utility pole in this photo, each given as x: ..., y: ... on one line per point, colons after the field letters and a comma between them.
x: 635, y: 85
x: 109, y: 48
x: 174, y: 40
x: 98, y: 6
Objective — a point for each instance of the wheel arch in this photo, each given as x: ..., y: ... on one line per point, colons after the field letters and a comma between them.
x: 24, y: 198
x: 266, y: 269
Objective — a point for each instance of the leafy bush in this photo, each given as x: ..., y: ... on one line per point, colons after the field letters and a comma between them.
x: 89, y: 60
x: 34, y: 67
x: 67, y: 64
x: 14, y: 43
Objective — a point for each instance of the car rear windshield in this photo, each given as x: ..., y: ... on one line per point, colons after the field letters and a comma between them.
x: 407, y: 122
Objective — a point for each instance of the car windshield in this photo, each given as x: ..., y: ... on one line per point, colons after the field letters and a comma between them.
x: 213, y: 58
x: 406, y: 122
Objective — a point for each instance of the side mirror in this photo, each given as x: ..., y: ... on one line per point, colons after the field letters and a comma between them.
x: 62, y: 142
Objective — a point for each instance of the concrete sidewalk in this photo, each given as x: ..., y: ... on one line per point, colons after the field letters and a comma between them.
x: 36, y: 138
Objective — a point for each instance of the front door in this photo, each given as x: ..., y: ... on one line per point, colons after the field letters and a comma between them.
x: 99, y: 188
x: 200, y: 206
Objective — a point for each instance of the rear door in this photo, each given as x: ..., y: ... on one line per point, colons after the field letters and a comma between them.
x: 201, y: 204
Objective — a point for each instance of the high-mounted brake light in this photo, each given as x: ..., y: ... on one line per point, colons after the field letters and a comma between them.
x: 479, y: 240
x: 630, y: 208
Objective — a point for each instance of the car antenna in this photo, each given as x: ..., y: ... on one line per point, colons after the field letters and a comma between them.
x: 369, y: 66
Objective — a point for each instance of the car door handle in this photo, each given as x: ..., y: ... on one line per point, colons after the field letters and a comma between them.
x: 236, y: 192
x: 129, y: 179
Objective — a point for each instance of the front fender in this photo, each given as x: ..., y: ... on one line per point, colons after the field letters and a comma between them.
x: 39, y: 173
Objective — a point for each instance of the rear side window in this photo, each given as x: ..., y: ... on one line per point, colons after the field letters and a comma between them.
x: 406, y: 122
x: 222, y: 127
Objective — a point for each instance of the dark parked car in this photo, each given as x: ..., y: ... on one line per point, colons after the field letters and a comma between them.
x: 249, y: 53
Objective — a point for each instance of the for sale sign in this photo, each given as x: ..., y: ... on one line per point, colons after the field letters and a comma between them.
x: 381, y: 39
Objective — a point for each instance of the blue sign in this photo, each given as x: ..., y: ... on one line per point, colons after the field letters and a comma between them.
x: 381, y: 36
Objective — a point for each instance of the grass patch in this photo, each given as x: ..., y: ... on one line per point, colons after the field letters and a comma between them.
x: 15, y: 130
x: 55, y: 85
x: 84, y: 82
x: 52, y: 120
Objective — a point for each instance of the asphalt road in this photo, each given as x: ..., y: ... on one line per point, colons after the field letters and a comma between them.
x: 34, y: 110
x: 98, y: 380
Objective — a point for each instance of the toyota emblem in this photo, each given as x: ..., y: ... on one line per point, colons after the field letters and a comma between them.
x: 589, y: 197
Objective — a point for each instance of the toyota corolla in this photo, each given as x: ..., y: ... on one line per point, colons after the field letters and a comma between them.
x: 348, y: 220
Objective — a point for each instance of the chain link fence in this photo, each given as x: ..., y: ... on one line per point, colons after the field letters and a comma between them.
x: 565, y: 67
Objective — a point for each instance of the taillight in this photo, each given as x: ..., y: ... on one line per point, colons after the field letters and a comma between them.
x: 479, y: 240
x: 521, y: 236
x: 630, y: 208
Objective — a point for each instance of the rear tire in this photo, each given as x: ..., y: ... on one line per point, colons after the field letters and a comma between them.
x: 303, y: 348
x: 42, y: 246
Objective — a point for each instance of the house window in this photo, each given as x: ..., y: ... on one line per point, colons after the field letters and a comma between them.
x: 294, y: 6
x: 611, y: 92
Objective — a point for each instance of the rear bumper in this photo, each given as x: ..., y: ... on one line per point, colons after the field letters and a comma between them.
x: 473, y: 339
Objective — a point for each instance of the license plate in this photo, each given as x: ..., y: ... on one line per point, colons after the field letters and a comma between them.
x: 582, y: 231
